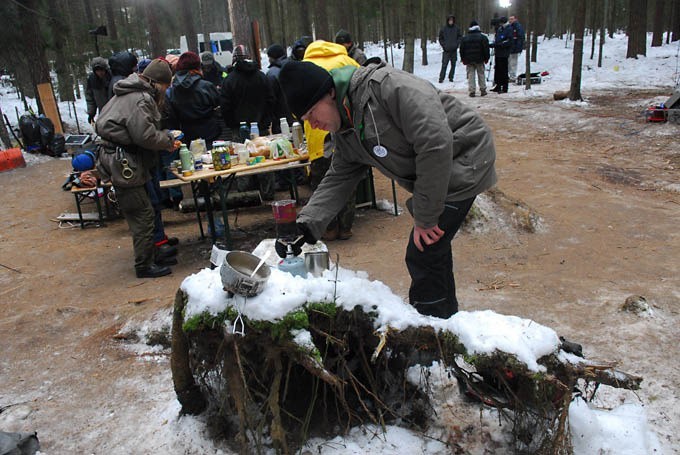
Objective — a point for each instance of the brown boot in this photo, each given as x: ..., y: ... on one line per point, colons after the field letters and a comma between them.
x: 345, y: 234
x: 330, y: 234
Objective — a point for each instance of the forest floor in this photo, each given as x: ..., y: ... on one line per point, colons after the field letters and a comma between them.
x: 602, y: 184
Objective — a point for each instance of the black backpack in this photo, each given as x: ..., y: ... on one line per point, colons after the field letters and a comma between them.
x: 37, y: 134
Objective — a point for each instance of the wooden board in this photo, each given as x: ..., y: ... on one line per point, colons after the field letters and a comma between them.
x: 49, y: 105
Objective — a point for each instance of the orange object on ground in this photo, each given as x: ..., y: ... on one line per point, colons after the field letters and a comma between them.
x: 10, y: 159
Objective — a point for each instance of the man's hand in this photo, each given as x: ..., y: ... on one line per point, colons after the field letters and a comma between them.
x: 428, y: 236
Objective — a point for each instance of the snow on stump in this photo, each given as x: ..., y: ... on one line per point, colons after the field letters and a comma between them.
x: 319, y: 356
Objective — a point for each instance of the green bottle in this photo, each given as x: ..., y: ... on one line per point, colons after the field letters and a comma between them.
x: 187, y: 159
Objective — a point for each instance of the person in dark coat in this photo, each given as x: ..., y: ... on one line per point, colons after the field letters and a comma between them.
x: 298, y: 48
x: 449, y: 39
x: 247, y: 96
x: 474, y: 53
x: 191, y: 102
x: 122, y: 64
x: 97, y: 87
x: 277, y: 58
x: 501, y: 46
x: 343, y: 37
x: 213, y: 72
x: 516, y: 45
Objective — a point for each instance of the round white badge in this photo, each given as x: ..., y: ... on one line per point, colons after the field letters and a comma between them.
x: 380, y: 151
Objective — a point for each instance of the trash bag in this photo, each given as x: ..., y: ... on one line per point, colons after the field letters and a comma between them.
x: 58, y: 146
x: 37, y: 133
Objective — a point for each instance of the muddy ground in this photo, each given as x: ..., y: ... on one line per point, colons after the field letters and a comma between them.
x: 603, y: 191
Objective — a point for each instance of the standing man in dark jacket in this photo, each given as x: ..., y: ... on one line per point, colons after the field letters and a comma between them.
x: 277, y: 58
x: 191, y: 102
x: 474, y: 53
x: 246, y: 94
x: 501, y: 45
x: 122, y: 64
x: 343, y: 37
x: 213, y: 72
x: 516, y: 46
x: 449, y: 39
x: 97, y: 87
x: 433, y: 145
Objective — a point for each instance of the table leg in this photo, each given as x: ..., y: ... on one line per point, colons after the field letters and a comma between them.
x: 224, y: 188
x: 99, y: 207
x: 80, y: 211
x: 204, y: 186
x: 394, y: 199
x: 194, y: 188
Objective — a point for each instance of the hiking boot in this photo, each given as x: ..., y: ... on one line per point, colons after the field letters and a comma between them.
x: 165, y: 251
x: 472, y: 95
x: 483, y: 93
x: 166, y: 261
x: 496, y: 89
x: 152, y: 271
x: 345, y: 234
x: 330, y: 234
x: 441, y: 81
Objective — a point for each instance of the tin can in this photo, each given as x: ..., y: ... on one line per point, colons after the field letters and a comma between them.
x: 298, y: 136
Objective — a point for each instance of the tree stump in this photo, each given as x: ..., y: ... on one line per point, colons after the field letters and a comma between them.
x: 322, y: 369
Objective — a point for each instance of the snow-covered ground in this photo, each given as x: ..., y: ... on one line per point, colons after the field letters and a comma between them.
x: 622, y: 429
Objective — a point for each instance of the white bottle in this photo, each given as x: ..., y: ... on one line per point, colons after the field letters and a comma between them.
x: 254, y: 130
x: 285, y: 130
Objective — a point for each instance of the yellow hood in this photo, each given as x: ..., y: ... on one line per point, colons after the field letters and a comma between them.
x: 328, y: 56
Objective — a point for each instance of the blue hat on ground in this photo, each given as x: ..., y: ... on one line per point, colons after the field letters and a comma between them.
x: 83, y: 162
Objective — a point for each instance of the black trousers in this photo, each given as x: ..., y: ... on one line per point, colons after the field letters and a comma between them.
x: 500, y: 75
x: 433, y: 287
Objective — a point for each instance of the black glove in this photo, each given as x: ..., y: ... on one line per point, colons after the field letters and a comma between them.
x: 281, y: 247
x: 90, y: 118
x: 306, y: 233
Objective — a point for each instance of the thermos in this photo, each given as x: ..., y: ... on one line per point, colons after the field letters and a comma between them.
x: 187, y: 159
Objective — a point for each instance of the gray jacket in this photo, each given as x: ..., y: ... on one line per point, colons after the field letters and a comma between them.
x: 438, y: 148
x: 357, y: 54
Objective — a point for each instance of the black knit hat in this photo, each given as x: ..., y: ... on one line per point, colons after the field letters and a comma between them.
x: 276, y: 51
x: 343, y: 37
x: 304, y: 84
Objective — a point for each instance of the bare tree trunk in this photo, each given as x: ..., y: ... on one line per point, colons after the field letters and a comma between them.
x: 37, y: 65
x: 204, y: 15
x: 384, y: 27
x: 409, y: 36
x: 579, y: 26
x: 240, y: 22
x: 675, y: 22
x: 602, y: 33
x: 321, y: 21
x: 111, y: 23
x: 89, y: 17
x: 188, y: 28
x: 303, y: 12
x: 155, y: 44
x: 59, y: 32
x: 527, y: 43
x: 610, y: 19
x: 637, y: 28
x: 285, y: 33
x: 657, y: 36
x: 423, y: 33
x: 594, y: 14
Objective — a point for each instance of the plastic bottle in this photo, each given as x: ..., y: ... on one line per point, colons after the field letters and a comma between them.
x: 285, y: 129
x: 244, y: 131
x: 254, y: 130
x: 187, y: 160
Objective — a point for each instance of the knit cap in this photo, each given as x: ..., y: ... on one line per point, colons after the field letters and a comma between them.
x: 304, y: 84
x: 158, y: 71
x: 343, y: 37
x: 276, y: 51
x: 188, y: 61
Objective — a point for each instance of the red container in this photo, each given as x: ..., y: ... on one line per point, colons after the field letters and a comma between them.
x: 10, y: 159
x: 284, y: 211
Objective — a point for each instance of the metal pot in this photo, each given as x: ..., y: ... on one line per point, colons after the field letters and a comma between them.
x: 316, y: 262
x: 236, y: 270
